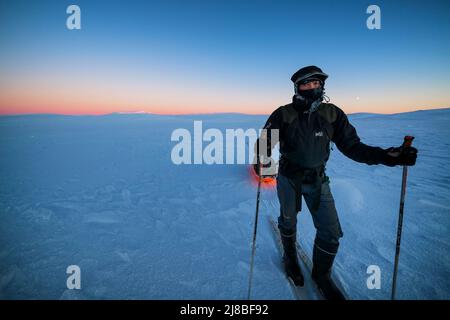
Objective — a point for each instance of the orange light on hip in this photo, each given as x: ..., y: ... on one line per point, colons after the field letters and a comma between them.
x: 266, y: 182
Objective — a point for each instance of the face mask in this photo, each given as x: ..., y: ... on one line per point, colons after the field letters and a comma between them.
x: 311, y: 94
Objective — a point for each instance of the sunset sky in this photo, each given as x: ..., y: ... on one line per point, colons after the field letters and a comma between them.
x: 176, y: 57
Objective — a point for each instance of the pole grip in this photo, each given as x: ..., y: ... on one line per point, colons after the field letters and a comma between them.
x: 407, y: 141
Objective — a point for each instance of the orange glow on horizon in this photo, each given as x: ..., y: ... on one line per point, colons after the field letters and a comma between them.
x: 84, y: 94
x: 89, y: 99
x: 7, y: 108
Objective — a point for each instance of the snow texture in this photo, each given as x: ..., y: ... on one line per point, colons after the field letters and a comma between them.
x: 102, y: 193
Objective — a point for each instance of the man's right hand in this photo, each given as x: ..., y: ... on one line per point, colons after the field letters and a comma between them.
x: 266, y: 168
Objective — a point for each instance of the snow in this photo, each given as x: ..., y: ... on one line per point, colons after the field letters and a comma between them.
x: 102, y: 193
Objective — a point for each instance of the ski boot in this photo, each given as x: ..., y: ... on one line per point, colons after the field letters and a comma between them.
x: 290, y: 259
x: 321, y: 273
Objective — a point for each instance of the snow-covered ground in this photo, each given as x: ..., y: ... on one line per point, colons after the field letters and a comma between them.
x: 102, y: 193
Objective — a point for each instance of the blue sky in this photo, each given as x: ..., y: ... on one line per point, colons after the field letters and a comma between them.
x: 220, y: 56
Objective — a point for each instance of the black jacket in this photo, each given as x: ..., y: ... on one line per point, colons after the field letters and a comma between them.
x: 305, y: 137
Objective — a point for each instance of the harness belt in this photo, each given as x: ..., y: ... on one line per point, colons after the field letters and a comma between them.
x: 313, y: 176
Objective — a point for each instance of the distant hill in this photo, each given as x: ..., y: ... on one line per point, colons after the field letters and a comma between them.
x: 231, y: 115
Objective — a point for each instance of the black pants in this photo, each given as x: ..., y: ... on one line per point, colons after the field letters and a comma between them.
x: 325, y: 218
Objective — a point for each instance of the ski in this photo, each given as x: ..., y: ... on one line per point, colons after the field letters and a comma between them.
x: 308, y: 291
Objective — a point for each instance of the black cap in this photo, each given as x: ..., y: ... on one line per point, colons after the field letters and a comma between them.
x: 309, y: 72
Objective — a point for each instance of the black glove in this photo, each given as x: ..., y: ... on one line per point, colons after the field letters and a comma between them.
x: 403, y: 156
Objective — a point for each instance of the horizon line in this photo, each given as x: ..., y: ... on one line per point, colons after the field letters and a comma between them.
x: 190, y: 114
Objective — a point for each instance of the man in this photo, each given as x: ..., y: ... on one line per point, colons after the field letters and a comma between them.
x: 305, y: 129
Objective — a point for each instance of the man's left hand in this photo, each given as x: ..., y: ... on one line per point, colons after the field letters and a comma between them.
x: 403, y: 156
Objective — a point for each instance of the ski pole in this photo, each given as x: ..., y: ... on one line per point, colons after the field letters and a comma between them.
x: 254, y: 230
x: 406, y: 143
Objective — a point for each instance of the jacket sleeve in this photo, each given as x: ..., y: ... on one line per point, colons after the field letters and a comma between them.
x: 269, y: 138
x: 348, y: 142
